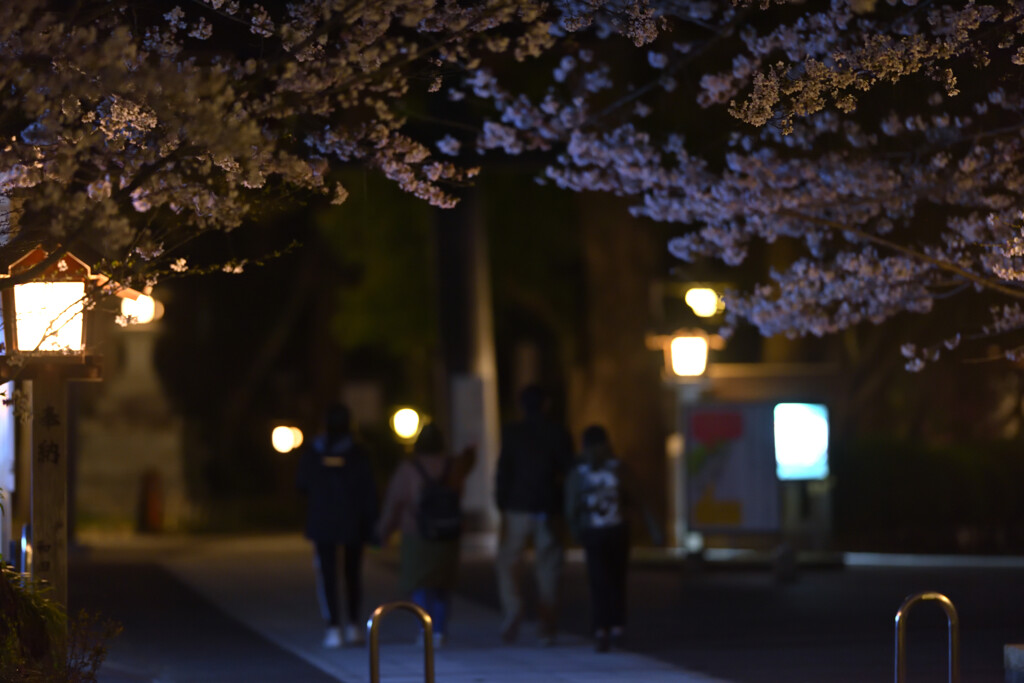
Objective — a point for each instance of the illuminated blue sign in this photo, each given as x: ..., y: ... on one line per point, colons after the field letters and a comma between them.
x: 801, y: 441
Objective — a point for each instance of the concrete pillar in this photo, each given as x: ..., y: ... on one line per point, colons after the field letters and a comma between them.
x: 130, y: 445
x: 470, y: 366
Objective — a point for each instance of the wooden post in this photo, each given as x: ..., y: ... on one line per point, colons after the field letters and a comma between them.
x: 50, y: 480
x: 48, y: 512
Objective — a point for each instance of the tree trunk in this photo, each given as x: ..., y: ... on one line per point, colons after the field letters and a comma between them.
x: 617, y: 383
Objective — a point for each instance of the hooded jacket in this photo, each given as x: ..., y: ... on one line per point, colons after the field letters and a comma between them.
x: 341, y: 493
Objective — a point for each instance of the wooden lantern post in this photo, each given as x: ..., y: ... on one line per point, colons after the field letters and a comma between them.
x: 44, y: 342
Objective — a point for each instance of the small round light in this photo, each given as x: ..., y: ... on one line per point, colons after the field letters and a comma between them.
x: 141, y: 310
x: 285, y: 439
x: 296, y: 437
x: 703, y: 300
x: 406, y: 423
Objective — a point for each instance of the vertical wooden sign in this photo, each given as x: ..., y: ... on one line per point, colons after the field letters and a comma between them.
x: 50, y: 480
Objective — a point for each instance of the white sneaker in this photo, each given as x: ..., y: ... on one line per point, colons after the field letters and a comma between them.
x: 354, y: 635
x: 333, y: 637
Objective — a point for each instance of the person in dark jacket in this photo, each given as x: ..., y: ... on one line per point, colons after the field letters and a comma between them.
x: 535, y: 454
x: 335, y: 475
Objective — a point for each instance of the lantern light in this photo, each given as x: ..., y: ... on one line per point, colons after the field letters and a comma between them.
x: 49, y: 316
x: 704, y: 301
x: 141, y: 310
x: 688, y: 353
x: 405, y: 423
x: 46, y: 315
x: 286, y: 438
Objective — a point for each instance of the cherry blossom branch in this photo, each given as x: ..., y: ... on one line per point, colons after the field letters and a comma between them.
x: 722, y: 33
x: 220, y: 13
x: 427, y: 118
x: 906, y: 251
x: 416, y: 54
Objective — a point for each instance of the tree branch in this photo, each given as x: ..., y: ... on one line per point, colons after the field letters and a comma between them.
x: 907, y: 251
x: 678, y: 65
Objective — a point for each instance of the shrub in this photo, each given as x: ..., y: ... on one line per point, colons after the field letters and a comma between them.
x: 39, y: 644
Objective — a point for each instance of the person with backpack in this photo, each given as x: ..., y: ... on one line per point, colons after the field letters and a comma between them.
x: 335, y: 475
x: 422, y: 501
x: 599, y: 494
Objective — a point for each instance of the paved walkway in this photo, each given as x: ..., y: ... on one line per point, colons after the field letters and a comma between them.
x: 267, y: 584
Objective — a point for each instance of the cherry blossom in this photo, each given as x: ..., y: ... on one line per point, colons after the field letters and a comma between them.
x: 882, y: 139
x: 870, y: 135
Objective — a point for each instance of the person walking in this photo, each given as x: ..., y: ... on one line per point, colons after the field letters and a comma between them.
x: 335, y: 475
x: 422, y: 502
x: 535, y: 455
x: 599, y: 492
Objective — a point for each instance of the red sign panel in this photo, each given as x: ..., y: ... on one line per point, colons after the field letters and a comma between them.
x: 710, y: 427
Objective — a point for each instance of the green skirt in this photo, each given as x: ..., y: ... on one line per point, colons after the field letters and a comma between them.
x: 427, y: 564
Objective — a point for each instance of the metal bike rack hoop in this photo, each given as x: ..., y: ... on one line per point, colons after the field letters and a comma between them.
x: 373, y: 626
x: 953, y: 627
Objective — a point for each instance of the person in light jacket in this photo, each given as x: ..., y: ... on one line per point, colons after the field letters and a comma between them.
x: 535, y: 453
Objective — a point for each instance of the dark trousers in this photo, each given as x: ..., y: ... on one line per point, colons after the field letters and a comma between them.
x: 327, y: 581
x: 607, y: 552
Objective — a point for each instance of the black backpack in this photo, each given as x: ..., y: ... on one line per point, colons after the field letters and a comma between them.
x: 438, y: 511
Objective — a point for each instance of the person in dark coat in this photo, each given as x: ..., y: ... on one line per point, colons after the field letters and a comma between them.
x: 535, y: 454
x: 335, y: 475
